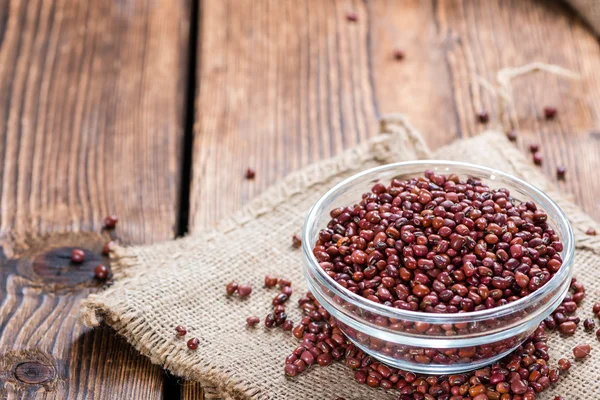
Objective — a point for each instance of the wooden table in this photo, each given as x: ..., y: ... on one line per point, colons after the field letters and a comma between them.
x: 153, y: 109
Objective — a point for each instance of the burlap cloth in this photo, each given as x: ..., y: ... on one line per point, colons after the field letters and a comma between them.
x: 183, y: 281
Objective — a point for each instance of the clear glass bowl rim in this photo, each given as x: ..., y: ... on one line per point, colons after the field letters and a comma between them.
x: 551, y: 208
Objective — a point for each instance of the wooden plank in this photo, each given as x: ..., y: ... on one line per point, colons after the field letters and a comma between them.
x: 91, y: 123
x: 484, y: 37
x: 282, y: 84
x: 285, y: 83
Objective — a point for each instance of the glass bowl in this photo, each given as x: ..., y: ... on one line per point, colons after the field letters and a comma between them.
x: 458, y: 342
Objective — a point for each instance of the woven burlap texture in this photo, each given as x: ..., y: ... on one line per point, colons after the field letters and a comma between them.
x: 589, y: 10
x: 182, y: 282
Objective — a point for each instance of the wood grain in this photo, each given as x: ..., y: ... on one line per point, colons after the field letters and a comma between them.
x: 282, y: 84
x: 494, y: 35
x: 285, y: 83
x: 91, y: 123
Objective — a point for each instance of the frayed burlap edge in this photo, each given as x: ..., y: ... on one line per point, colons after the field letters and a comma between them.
x: 396, y: 134
x: 130, y: 323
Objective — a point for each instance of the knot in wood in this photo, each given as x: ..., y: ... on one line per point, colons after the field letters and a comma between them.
x: 54, y: 267
x: 34, y: 373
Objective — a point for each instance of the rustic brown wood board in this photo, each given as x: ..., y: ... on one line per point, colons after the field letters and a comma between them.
x: 93, y: 121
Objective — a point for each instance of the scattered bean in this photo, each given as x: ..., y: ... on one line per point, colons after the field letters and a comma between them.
x: 101, y: 272
x: 287, y: 290
x: 108, y: 247
x: 483, y: 117
x: 564, y: 364
x: 180, y: 330
x: 284, y: 282
x: 244, y: 289
x: 534, y: 147
x: 567, y: 328
x: 78, y: 256
x: 589, y: 324
x: 193, y: 343
x: 550, y: 112
x: 581, y: 350
x: 252, y: 321
x: 296, y: 241
x: 399, y: 54
x: 231, y: 288
x: 110, y: 222
x: 270, y: 281
x: 250, y: 173
x: 287, y: 325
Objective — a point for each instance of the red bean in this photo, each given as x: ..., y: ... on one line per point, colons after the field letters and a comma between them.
x: 291, y: 370
x: 399, y: 54
x: 589, y: 324
x: 180, y: 330
x: 324, y: 359
x: 270, y: 320
x: 287, y: 290
x: 193, y: 343
x: 287, y: 325
x: 110, y: 222
x: 244, y: 289
x: 296, y: 241
x: 101, y: 272
x: 280, y: 299
x: 550, y: 112
x: 567, y: 328
x: 518, y: 386
x: 231, y: 288
x: 78, y: 256
x: 250, y: 173
x: 252, y: 321
x: 351, y: 16
x: 270, y: 281
x: 564, y: 364
x: 108, y: 247
x: 483, y: 117
x: 581, y: 350
x: 284, y: 282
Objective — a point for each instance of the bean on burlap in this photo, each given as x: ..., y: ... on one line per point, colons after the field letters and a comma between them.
x: 182, y: 281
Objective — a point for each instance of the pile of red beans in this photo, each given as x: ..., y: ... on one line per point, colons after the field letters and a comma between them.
x: 438, y: 244
x: 519, y: 376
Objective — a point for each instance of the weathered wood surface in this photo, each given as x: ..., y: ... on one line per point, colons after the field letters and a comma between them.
x: 91, y: 123
x: 92, y: 110
x: 282, y: 84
